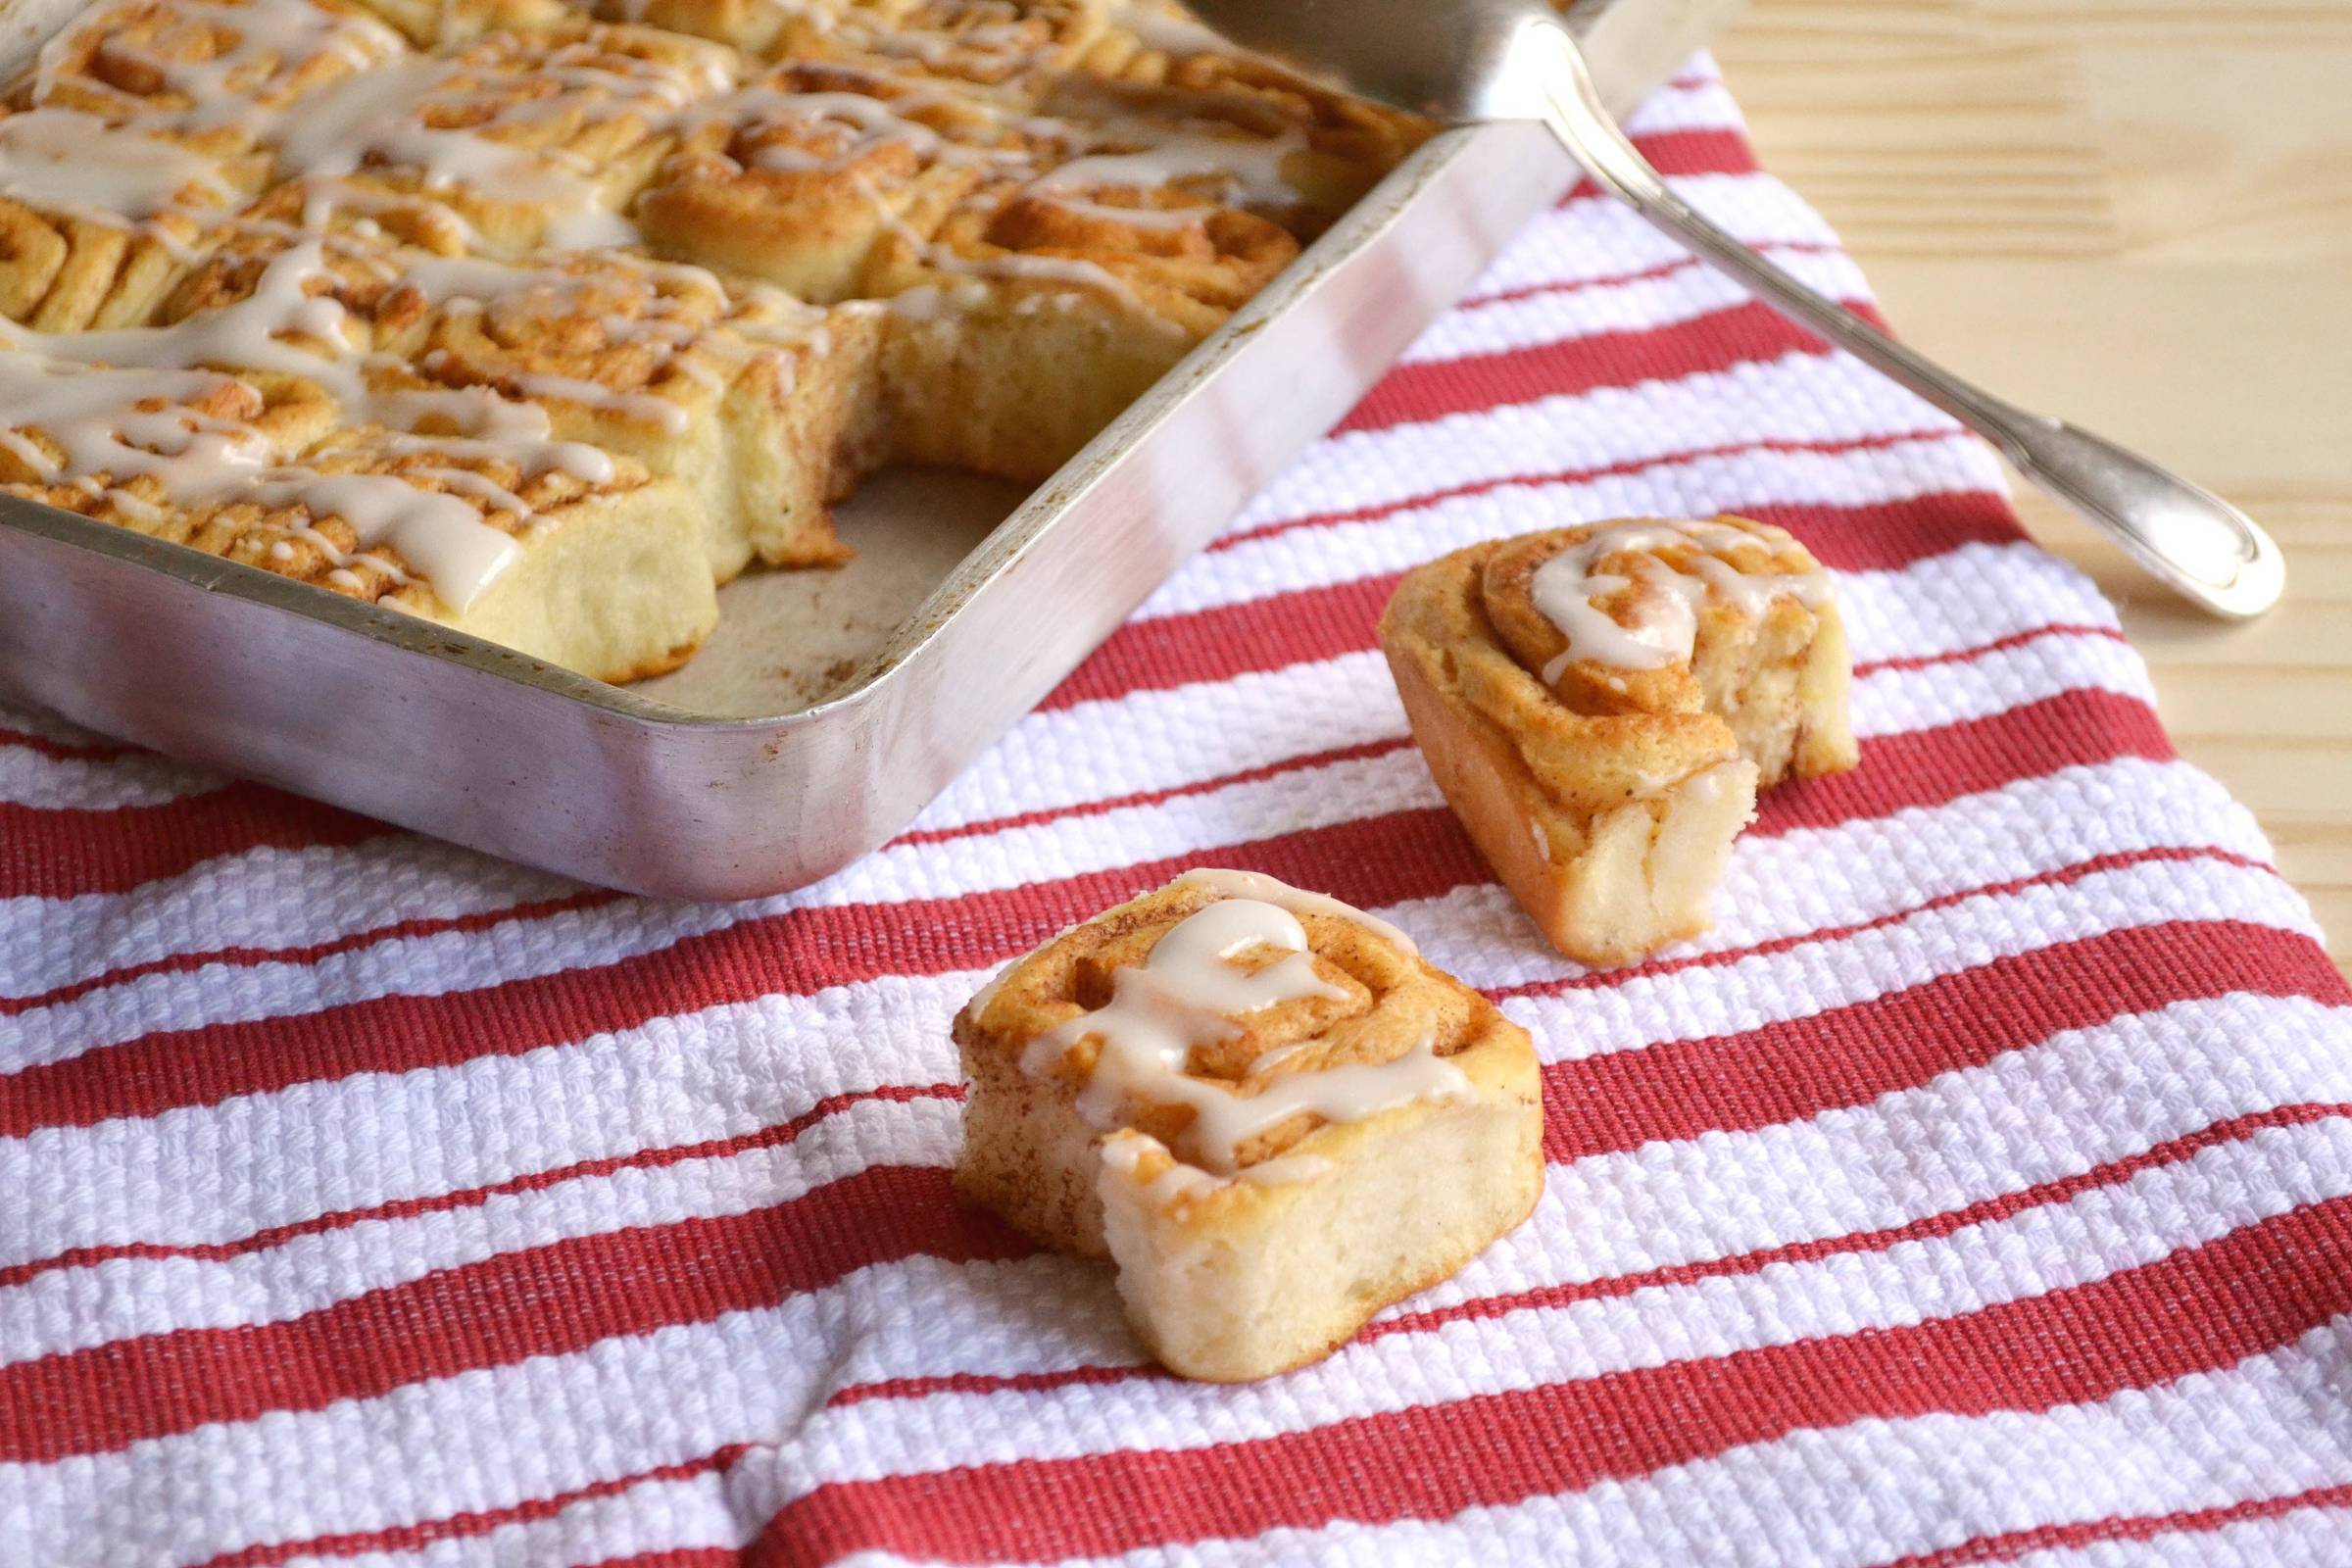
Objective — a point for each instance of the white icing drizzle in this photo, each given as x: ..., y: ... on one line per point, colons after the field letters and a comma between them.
x: 1256, y: 884
x: 1566, y: 591
x: 72, y: 162
x: 271, y: 36
x: 1246, y: 170
x: 98, y: 411
x: 1187, y: 992
x: 88, y: 394
x: 1168, y: 31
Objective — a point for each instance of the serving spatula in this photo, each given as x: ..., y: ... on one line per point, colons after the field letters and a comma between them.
x: 1475, y: 60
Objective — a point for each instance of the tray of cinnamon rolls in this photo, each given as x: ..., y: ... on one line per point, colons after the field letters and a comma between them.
x: 661, y: 441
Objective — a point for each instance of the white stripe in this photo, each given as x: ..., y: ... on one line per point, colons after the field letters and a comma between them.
x: 1597, y: 237
x: 1300, y: 560
x: 2307, y: 1538
x: 180, y: 1177
x: 483, y: 1420
x: 1632, y: 305
x: 1014, y: 856
x: 1700, y: 106
x: 270, y: 899
x: 1869, y: 1493
x: 1656, y: 424
x: 77, y: 1307
x: 267, y: 897
x: 2046, y: 1249
x: 651, y: 1516
x: 43, y: 783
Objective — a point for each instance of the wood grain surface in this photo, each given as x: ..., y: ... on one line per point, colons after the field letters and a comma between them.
x: 2137, y: 214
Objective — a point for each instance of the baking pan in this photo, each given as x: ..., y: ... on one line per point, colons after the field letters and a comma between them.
x: 830, y: 708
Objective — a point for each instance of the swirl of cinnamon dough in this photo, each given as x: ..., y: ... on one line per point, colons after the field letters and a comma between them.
x: 216, y: 77
x: 1600, y: 704
x: 1230, y: 1063
x: 798, y: 175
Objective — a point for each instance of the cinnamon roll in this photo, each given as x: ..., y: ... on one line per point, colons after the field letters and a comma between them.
x: 1327, y: 149
x: 213, y: 76
x: 797, y: 178
x: 1600, y: 704
x: 96, y: 219
x: 1025, y: 326
x: 535, y: 140
x: 402, y: 247
x: 553, y: 549
x: 1261, y: 1105
x: 753, y: 398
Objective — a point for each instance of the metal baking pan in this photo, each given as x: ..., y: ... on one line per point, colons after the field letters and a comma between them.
x: 831, y: 707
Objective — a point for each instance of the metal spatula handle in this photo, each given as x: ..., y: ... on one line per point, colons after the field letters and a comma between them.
x: 1470, y: 59
x: 2198, y: 543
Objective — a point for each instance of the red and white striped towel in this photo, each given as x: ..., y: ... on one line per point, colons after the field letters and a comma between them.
x: 1979, y: 1191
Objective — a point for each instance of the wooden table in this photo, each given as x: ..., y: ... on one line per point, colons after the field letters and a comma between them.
x: 2138, y: 213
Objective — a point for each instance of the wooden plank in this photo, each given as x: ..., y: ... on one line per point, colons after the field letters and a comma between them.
x: 2138, y: 214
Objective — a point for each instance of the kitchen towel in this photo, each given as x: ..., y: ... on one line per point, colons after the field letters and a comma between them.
x: 1979, y: 1191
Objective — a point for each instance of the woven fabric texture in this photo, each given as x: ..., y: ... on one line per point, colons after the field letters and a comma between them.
x: 1981, y: 1190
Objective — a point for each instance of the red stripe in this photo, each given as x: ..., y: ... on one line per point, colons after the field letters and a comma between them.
x: 1418, y: 392
x: 773, y: 1136
x: 2202, y: 1308
x: 1374, y: 861
x: 58, y: 853
x: 1309, y: 625
x: 1681, y: 154
x: 480, y: 1522
x: 1644, y: 274
x: 2143, y: 1527
x: 1800, y: 1068
x: 560, y: 1297
x: 547, y: 1300
x: 488, y: 920
x: 1423, y: 499
x: 1932, y: 1227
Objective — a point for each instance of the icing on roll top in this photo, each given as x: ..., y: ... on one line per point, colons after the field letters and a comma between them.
x: 1199, y: 988
x: 1675, y: 567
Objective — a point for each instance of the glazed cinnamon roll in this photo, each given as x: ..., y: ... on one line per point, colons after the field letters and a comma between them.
x: 1025, y: 326
x: 555, y: 550
x: 756, y: 400
x: 535, y: 140
x: 214, y: 77
x: 95, y: 219
x: 1600, y: 704
x: 1330, y: 148
x: 797, y: 178
x: 1263, y: 1106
